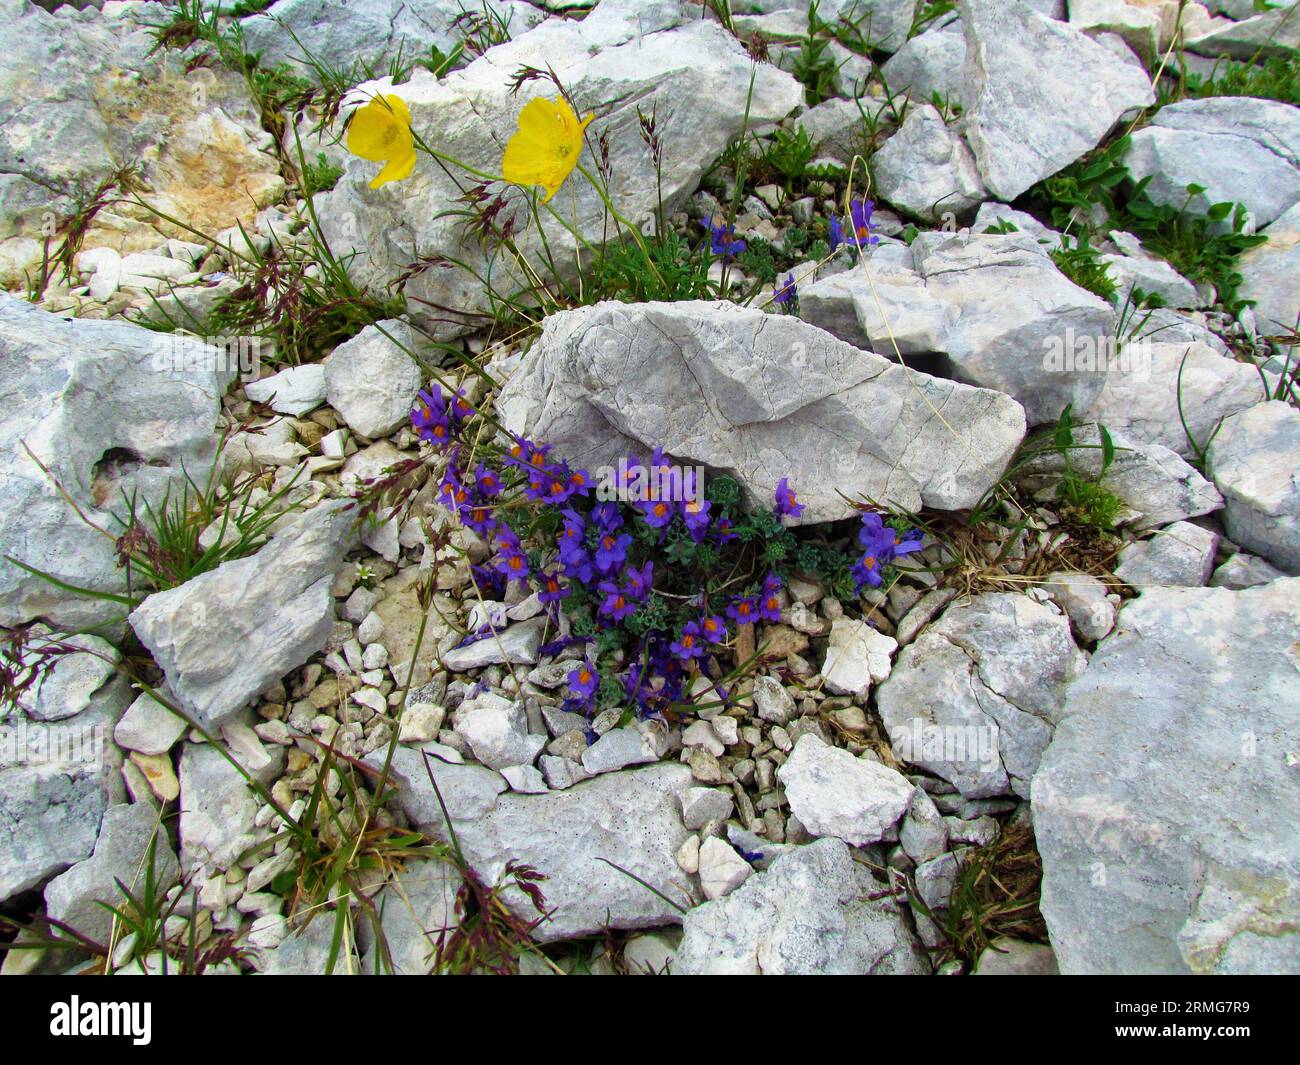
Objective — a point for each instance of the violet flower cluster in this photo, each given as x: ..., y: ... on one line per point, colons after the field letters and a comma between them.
x: 591, y: 557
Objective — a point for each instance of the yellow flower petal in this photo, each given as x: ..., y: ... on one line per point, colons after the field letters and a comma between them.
x: 398, y: 106
x: 546, y: 148
x: 395, y: 170
x: 541, y: 120
x: 381, y: 131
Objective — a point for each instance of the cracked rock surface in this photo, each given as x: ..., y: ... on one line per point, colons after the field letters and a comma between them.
x: 1163, y: 806
x: 768, y: 394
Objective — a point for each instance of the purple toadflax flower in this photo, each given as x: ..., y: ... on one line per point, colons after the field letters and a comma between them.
x: 723, y: 240
x: 787, y: 505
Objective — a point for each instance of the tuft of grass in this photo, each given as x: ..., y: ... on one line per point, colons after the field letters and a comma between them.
x: 1277, y: 78
x: 1087, y: 501
x: 996, y: 893
x: 60, y: 259
x: 160, y: 547
x: 1078, y: 260
x: 927, y: 12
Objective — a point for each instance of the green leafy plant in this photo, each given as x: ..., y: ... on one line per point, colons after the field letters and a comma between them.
x: 320, y: 176
x: 927, y: 12
x: 1078, y: 260
x: 1198, y: 247
x: 790, y: 153
x: 995, y: 893
x: 1276, y: 78
x: 759, y: 260
x: 618, y: 272
x: 1072, y: 196
x: 1092, y: 503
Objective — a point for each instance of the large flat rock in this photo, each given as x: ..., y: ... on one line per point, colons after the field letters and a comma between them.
x: 1165, y: 806
x: 761, y: 397
x: 630, y: 818
x: 109, y: 409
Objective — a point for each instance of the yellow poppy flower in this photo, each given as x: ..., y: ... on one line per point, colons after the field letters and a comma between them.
x: 381, y: 131
x: 546, y: 148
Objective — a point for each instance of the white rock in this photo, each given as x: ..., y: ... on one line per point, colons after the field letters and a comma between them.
x: 525, y: 779
x: 1271, y: 274
x: 951, y: 298
x: 71, y: 683
x: 217, y: 809
x: 688, y: 855
x: 420, y: 722
x: 931, y: 62
x: 372, y: 381
x: 1144, y: 403
x: 1239, y: 149
x: 388, y: 31
x: 814, y: 911
x: 294, y: 391
x: 1179, y: 554
x: 224, y: 636
x: 1083, y: 597
x: 926, y: 169
x: 306, y: 951
x: 1273, y: 32
x: 618, y: 748
x: 414, y: 907
x: 975, y: 697
x: 701, y: 734
x: 1039, y: 93
x: 517, y: 645
x: 149, y: 727
x: 631, y: 818
x: 1244, y: 571
x: 722, y: 870
x: 1164, y: 807
x: 650, y: 954
x: 1153, y: 276
x: 771, y: 701
x: 1153, y: 482
x: 856, y: 657
x: 1254, y: 459
x: 702, y: 805
x: 497, y: 732
x: 834, y: 794
x: 923, y: 833
x: 107, y: 412
x: 1011, y: 957
x: 192, y: 134
x: 121, y: 853
x: 715, y: 383
x: 53, y: 795
x: 561, y: 773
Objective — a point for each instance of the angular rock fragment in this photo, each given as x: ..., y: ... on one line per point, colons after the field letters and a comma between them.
x: 975, y: 697
x: 760, y: 397
x: 224, y: 636
x: 814, y: 911
x: 1163, y: 808
x: 1039, y: 93
x: 632, y: 819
